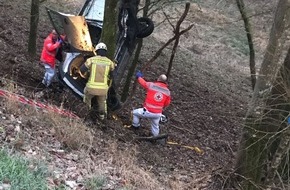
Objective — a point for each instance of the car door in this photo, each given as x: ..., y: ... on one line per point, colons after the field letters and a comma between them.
x: 75, y: 29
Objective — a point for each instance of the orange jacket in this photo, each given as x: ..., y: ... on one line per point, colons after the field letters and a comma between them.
x: 49, y: 51
x: 157, y: 97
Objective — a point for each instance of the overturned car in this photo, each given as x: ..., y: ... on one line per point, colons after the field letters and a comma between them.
x: 83, y: 32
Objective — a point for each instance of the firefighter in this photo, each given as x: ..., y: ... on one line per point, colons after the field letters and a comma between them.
x: 50, y: 47
x: 157, y: 97
x: 100, y: 68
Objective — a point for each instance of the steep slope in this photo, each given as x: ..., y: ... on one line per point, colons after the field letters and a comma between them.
x: 210, y: 86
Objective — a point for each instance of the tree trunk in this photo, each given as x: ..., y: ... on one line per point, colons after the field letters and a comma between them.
x: 125, y: 91
x: 270, y: 64
x: 280, y: 107
x: 243, y: 12
x: 34, y: 18
x: 109, y: 30
x: 266, y: 115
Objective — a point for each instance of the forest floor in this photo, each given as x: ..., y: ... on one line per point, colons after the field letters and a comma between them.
x: 210, y: 85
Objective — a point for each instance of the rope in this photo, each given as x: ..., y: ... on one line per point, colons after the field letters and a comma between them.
x: 195, y: 148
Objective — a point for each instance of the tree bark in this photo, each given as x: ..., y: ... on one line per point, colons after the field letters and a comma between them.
x: 266, y: 116
x: 125, y: 91
x: 247, y: 24
x: 280, y: 108
x: 270, y: 64
x: 34, y: 18
x: 109, y: 30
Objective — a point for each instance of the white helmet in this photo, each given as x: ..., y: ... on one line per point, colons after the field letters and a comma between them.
x: 101, y: 45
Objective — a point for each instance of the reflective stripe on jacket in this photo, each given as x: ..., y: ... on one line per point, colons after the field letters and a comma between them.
x: 49, y: 51
x: 99, y: 67
x: 158, y: 95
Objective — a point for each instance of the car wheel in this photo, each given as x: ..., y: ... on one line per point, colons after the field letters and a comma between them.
x: 145, y: 27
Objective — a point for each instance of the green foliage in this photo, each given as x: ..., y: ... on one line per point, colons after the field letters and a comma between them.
x: 20, y: 173
x: 95, y: 182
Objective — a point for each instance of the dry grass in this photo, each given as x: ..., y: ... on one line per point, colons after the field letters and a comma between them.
x: 134, y: 176
x: 10, y: 101
x: 73, y: 134
x: 112, y: 160
x: 10, y: 104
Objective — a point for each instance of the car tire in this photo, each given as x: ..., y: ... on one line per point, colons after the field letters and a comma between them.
x: 145, y: 27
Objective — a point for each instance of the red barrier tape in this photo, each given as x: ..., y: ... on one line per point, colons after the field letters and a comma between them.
x: 37, y: 104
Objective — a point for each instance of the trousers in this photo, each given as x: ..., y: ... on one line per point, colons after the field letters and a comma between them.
x: 153, y: 117
x: 49, y: 74
x: 101, y: 101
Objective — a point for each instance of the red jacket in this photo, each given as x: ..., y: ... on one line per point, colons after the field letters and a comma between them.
x: 157, y: 97
x: 49, y: 51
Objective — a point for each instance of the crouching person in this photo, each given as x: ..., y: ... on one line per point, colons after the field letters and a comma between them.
x: 157, y: 97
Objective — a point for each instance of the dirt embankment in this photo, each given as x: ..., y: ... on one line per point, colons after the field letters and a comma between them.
x: 210, y: 87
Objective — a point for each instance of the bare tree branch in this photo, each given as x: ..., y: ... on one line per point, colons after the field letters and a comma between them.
x: 157, y: 54
x: 168, y: 20
x: 177, y: 34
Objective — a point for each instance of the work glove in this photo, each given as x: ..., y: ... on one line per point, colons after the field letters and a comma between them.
x: 139, y: 74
